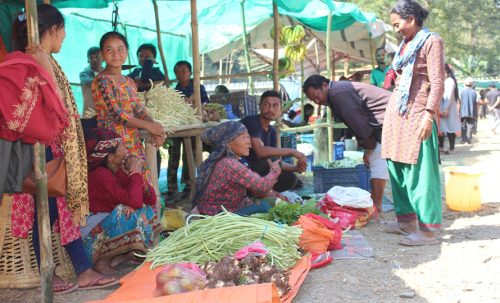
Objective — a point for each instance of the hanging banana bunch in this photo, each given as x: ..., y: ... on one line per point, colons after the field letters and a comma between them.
x: 293, y: 34
x: 286, y: 67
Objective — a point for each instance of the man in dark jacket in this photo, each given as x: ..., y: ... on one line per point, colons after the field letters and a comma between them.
x: 361, y: 107
x: 468, y: 110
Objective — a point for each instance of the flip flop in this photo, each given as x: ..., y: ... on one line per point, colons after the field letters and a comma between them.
x: 393, y: 228
x: 64, y: 289
x: 95, y: 284
x: 410, y: 241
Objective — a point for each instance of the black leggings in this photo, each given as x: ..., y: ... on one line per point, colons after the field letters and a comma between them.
x: 451, y: 139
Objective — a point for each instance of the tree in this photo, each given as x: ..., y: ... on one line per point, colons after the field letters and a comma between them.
x: 468, y: 28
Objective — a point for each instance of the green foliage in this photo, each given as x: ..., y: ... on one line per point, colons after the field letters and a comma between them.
x: 469, y: 29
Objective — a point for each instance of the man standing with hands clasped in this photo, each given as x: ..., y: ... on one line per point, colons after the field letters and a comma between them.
x: 361, y: 107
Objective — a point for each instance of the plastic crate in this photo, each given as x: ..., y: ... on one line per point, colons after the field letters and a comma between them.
x: 326, y: 178
x: 289, y: 141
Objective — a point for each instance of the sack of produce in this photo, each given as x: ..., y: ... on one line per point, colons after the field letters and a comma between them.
x: 179, y: 278
x: 316, y: 237
x: 348, y: 217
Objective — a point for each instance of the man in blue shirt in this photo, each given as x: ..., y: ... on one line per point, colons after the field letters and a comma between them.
x: 468, y: 110
x: 146, y: 53
x: 264, y: 141
x: 87, y: 77
x: 182, y: 70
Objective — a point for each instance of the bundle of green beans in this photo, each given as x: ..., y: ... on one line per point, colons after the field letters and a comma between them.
x: 212, y: 237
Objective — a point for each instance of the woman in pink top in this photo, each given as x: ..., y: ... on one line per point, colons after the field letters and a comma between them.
x: 409, y: 138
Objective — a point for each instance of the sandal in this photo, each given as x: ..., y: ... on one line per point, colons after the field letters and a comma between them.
x: 392, y: 227
x: 413, y: 240
x: 96, y: 285
x: 65, y: 288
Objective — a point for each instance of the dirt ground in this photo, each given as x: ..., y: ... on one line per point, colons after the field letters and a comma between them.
x: 464, y: 267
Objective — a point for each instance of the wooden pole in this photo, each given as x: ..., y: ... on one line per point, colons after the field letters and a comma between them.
x: 196, y: 76
x: 158, y: 37
x: 329, y: 76
x: 245, y: 48
x: 42, y: 201
x: 372, y: 53
x: 276, y: 74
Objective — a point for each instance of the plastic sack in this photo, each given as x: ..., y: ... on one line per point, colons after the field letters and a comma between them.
x: 173, y: 219
x: 179, y: 278
x: 315, y: 237
x: 334, y: 227
x: 348, y: 217
x: 350, y: 196
x: 257, y: 248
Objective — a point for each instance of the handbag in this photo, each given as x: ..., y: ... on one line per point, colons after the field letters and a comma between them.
x: 56, y: 179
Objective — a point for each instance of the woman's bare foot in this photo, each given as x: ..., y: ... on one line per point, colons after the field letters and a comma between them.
x: 59, y: 286
x: 399, y: 228
x: 420, y: 238
x: 103, y: 266
x: 91, y: 279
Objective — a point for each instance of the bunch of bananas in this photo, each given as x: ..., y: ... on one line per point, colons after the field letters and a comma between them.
x: 296, y: 52
x: 281, y: 38
x: 286, y: 67
x: 293, y: 35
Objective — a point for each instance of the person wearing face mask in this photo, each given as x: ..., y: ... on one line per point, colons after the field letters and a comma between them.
x: 146, y: 53
x: 377, y: 75
x: 223, y: 180
x: 71, y: 209
x: 410, y: 135
x: 116, y: 101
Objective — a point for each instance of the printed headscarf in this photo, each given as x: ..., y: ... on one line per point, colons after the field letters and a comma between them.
x: 100, y: 142
x: 218, y: 138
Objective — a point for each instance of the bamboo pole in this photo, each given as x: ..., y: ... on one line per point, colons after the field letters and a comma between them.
x: 329, y: 76
x: 276, y: 75
x: 220, y: 71
x: 158, y: 37
x: 196, y: 76
x: 251, y: 88
x: 372, y: 53
x: 42, y: 201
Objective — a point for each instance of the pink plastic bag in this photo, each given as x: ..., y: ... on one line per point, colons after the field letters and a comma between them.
x: 257, y: 247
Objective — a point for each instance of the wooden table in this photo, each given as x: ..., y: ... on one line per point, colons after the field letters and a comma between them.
x: 186, y: 133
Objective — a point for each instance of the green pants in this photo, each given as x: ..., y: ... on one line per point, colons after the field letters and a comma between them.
x: 416, y: 188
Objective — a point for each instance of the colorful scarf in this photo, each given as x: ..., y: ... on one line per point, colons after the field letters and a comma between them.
x: 73, y: 146
x: 218, y: 137
x: 99, y: 143
x: 405, y: 62
x: 30, y: 108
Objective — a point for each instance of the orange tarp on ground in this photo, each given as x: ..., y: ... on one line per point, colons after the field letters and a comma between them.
x: 138, y: 287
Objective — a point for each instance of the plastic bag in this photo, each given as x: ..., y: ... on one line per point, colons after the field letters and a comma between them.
x: 316, y: 237
x: 257, y: 247
x: 350, y: 196
x: 348, y: 217
x: 334, y: 227
x: 179, y: 278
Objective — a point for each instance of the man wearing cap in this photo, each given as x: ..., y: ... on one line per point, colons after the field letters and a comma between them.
x: 493, y: 97
x: 468, y: 110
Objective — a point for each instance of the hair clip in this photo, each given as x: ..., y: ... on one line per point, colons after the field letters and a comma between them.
x: 22, y: 17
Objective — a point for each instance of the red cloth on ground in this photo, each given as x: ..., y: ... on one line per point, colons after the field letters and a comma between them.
x: 30, y: 107
x: 108, y: 190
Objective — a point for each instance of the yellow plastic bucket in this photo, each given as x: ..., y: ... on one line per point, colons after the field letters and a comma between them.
x: 462, y: 187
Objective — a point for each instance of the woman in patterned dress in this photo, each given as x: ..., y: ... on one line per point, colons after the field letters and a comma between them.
x: 223, y: 180
x: 116, y: 101
x: 71, y: 210
x: 409, y: 138
x: 121, y: 203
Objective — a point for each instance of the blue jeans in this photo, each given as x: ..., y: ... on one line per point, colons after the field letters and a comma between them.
x: 259, y: 207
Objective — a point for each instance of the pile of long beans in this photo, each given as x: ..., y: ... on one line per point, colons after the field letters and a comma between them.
x: 212, y: 237
x: 169, y: 107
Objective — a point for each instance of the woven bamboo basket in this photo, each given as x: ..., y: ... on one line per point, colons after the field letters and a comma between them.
x: 18, y: 267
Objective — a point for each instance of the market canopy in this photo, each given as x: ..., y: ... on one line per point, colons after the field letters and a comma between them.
x: 220, y: 25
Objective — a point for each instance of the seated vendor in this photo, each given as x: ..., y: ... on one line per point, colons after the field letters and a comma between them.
x: 122, y: 218
x: 263, y: 140
x: 223, y: 180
